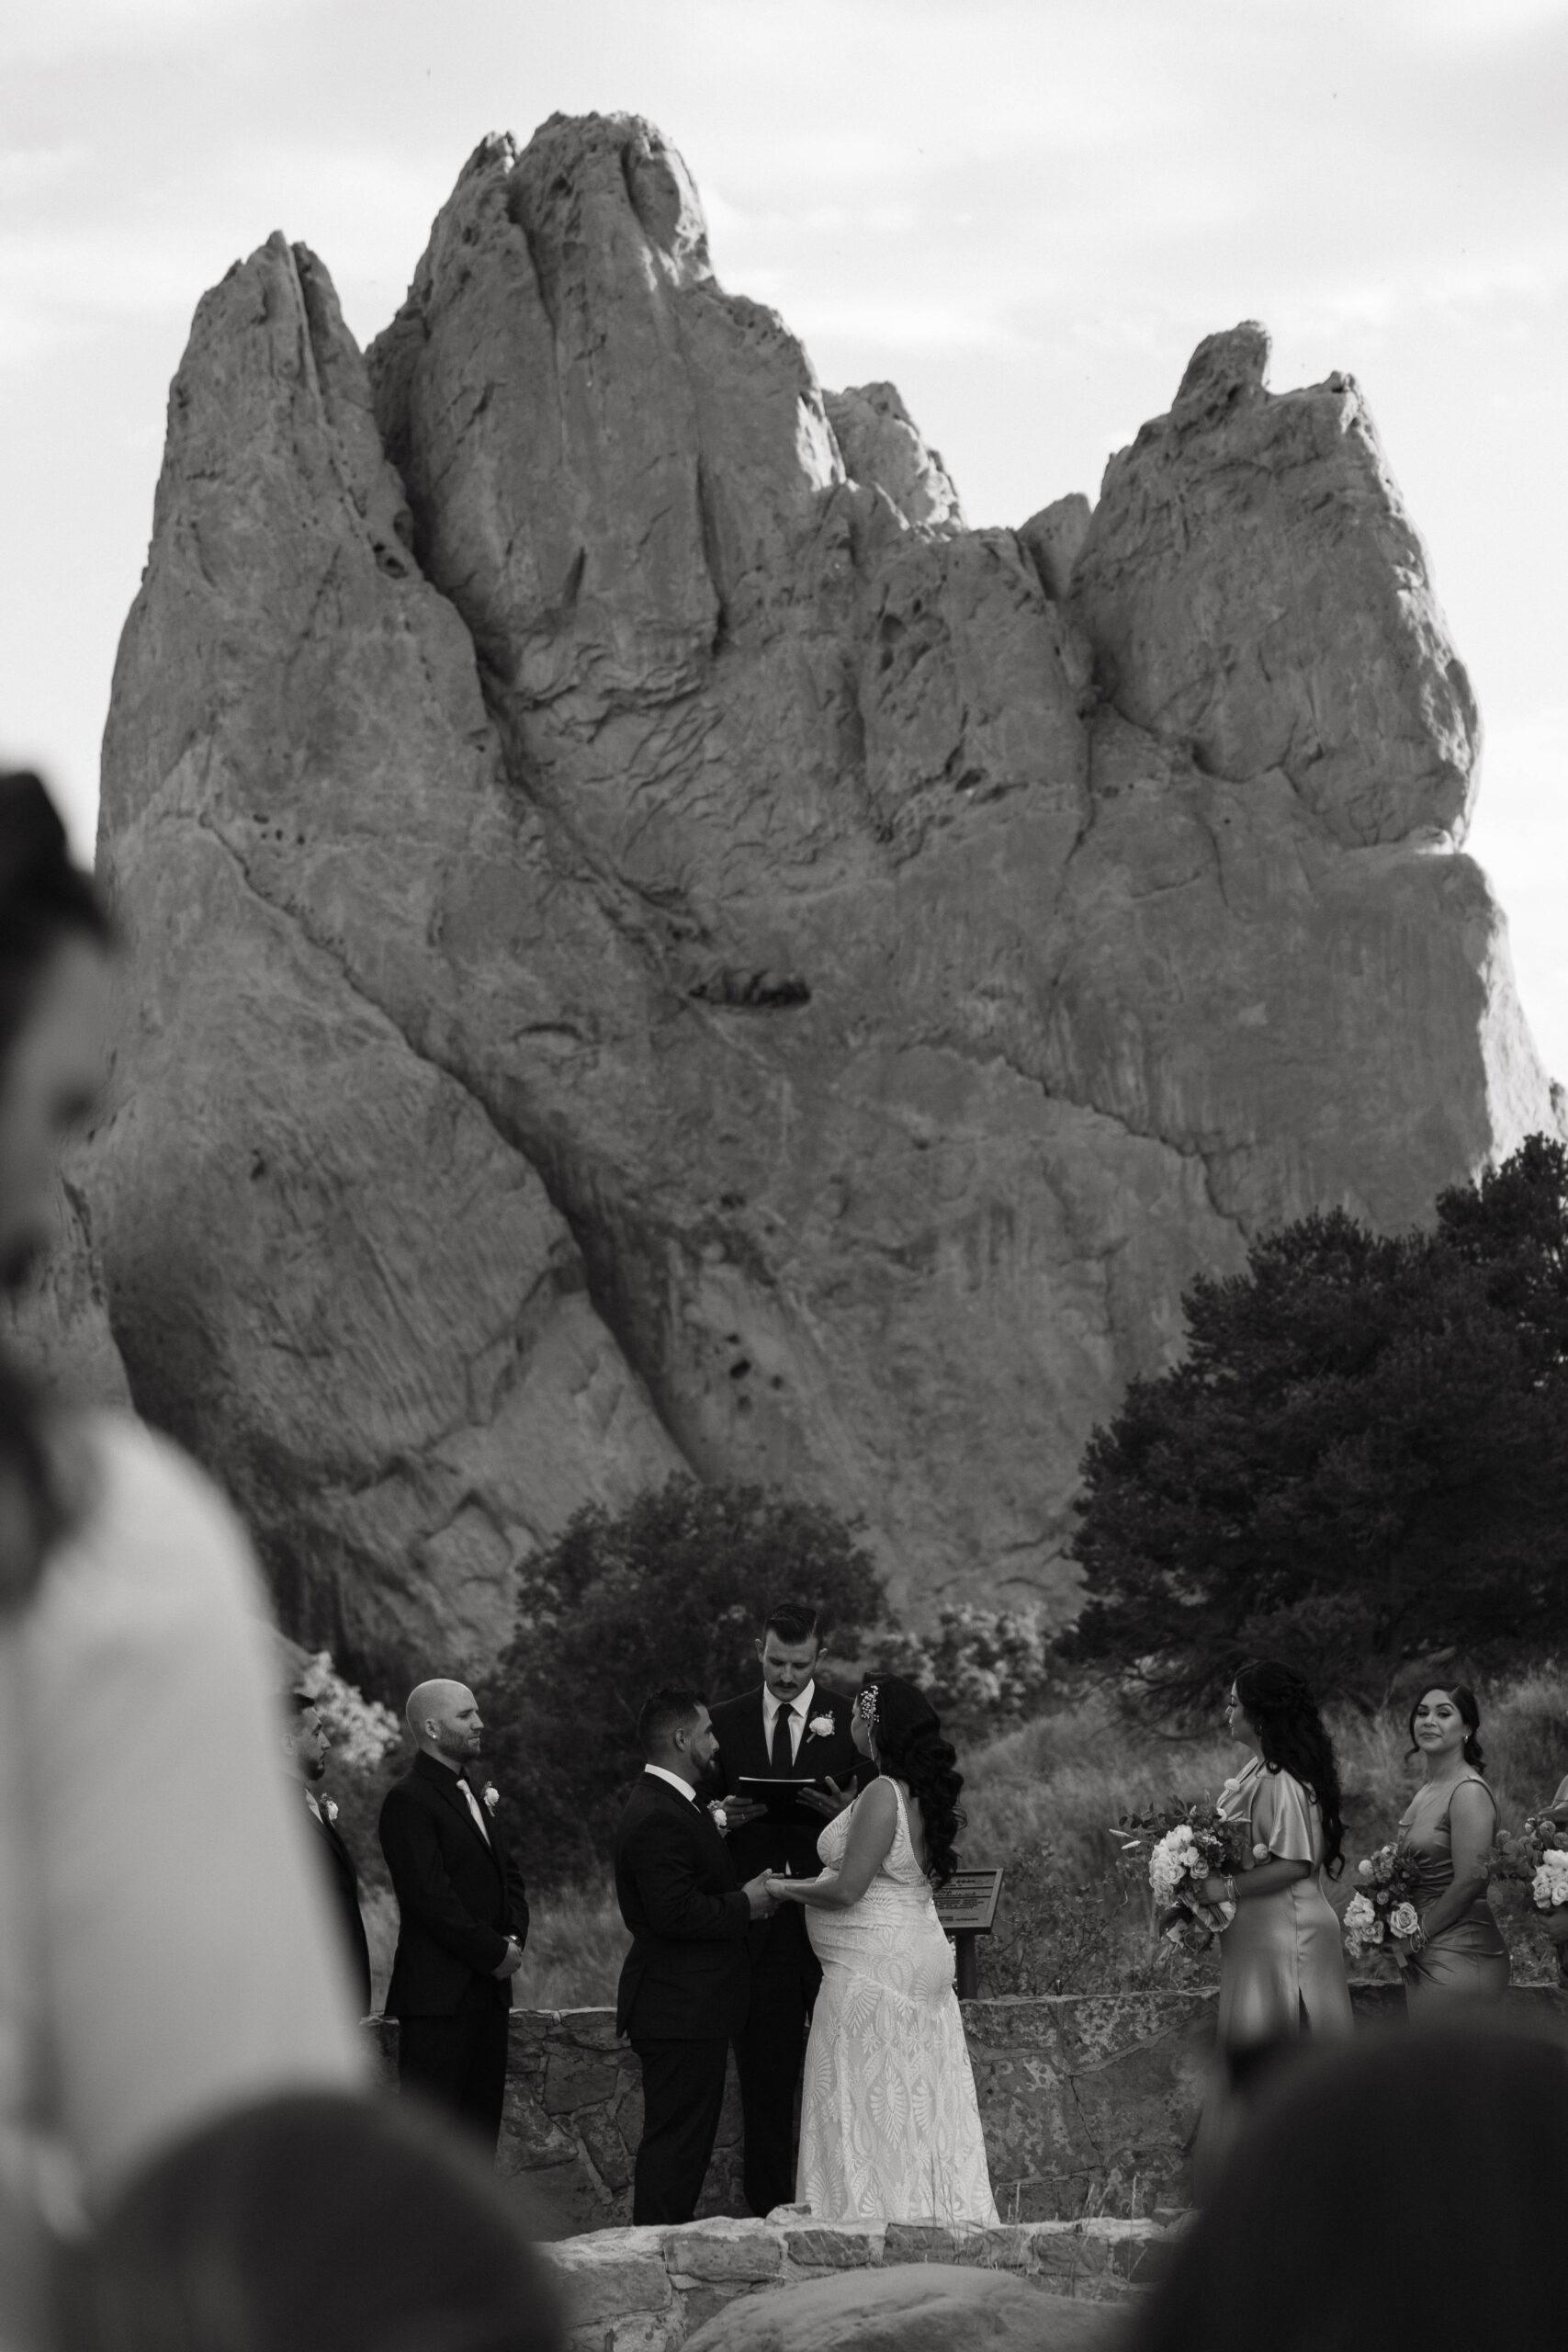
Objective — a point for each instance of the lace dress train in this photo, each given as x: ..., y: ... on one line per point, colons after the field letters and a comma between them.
x: 889, y: 2123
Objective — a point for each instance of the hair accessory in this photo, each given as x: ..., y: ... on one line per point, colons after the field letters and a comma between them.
x: 865, y: 1706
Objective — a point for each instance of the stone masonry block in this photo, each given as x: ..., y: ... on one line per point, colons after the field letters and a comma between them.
x: 844, y: 2245
x: 576, y: 2077
x: 917, y: 2242
x: 725, y: 2249
x: 607, y: 2148
x: 603, y: 2282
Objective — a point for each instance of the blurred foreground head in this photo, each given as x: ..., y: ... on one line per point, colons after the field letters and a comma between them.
x: 1405, y: 2189
x: 357, y: 2225
x: 55, y: 977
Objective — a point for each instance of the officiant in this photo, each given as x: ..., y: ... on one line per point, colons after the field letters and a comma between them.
x: 789, y: 1728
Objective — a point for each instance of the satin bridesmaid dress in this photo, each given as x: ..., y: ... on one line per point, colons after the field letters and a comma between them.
x: 1468, y: 1961
x: 1282, y: 1962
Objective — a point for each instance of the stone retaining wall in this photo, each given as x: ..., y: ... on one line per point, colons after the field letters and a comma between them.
x: 647, y: 2290
x: 1088, y: 2102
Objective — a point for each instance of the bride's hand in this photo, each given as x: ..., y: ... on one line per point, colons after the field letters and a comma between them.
x: 784, y: 1890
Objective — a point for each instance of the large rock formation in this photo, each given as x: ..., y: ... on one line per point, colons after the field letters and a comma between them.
x: 654, y: 944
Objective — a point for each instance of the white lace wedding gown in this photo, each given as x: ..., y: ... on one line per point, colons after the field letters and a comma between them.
x: 889, y: 2123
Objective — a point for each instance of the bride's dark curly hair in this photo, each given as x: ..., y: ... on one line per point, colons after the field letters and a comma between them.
x: 910, y: 1747
x: 1292, y: 1738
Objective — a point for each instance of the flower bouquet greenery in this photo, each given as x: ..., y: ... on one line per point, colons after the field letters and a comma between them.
x: 1184, y: 1845
x: 1383, y: 1907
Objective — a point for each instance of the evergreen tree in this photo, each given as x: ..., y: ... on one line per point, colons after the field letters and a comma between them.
x: 1362, y: 1460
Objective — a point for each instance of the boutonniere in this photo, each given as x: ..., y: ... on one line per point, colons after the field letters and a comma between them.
x: 491, y: 1796
x: 822, y: 1726
x: 329, y: 1809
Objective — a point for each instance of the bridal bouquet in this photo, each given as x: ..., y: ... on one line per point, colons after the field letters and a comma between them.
x: 1383, y: 1906
x: 1185, y: 1844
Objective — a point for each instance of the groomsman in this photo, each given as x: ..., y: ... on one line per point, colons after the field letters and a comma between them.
x: 463, y: 1915
x: 790, y: 1724
x: 305, y: 1744
x: 682, y: 1990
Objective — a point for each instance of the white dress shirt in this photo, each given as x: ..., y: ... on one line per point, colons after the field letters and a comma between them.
x: 801, y: 1703
x: 474, y: 1807
x: 658, y: 1773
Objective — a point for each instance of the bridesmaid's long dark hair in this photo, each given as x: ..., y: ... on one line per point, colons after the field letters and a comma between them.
x: 1292, y: 1738
x: 44, y: 900
x: 910, y: 1745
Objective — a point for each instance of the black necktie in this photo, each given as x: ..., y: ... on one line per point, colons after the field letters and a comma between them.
x: 784, y: 1753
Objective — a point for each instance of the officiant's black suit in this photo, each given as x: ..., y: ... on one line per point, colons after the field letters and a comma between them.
x: 459, y: 1897
x: 684, y: 1986
x: 343, y: 1885
x: 785, y: 1972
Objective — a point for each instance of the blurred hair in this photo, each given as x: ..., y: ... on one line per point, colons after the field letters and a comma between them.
x: 662, y: 1715
x: 300, y: 1702
x: 910, y: 1745
x: 1468, y: 1706
x: 1408, y: 2189
x: 1293, y: 1737
x: 792, y: 1621
x: 316, y: 2218
x: 44, y: 900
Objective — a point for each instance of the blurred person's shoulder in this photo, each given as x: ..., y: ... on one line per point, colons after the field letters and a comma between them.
x: 148, y: 1517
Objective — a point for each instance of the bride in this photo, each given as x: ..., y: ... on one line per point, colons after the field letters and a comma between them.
x: 889, y: 2124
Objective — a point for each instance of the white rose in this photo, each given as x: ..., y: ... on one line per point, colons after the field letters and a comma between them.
x: 1359, y: 1915
x: 329, y: 1808
x: 1404, y: 1919
x: 1364, y: 1870
x: 822, y: 1726
x: 491, y: 1795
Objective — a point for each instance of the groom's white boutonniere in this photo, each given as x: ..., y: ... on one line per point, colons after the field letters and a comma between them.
x: 329, y: 1808
x: 822, y: 1726
x: 491, y: 1796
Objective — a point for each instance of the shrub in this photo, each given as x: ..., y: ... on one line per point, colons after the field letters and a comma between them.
x: 981, y: 1669
x: 672, y: 1588
x: 363, y: 1732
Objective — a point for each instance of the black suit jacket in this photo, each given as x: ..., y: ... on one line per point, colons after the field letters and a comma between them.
x: 743, y: 1748
x: 342, y: 1884
x: 687, y: 1975
x: 459, y: 1899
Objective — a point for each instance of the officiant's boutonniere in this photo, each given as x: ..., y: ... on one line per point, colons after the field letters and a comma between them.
x: 822, y: 1726
x: 329, y: 1809
x: 491, y: 1796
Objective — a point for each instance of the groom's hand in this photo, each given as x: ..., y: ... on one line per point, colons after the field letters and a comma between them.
x: 830, y: 1801
x: 514, y: 1960
x: 756, y: 1893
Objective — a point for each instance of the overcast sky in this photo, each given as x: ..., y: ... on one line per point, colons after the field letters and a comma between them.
x: 1025, y: 214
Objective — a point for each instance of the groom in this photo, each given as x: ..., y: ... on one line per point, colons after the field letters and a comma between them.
x: 789, y: 1725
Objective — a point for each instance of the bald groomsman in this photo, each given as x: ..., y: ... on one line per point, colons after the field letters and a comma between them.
x: 463, y: 1915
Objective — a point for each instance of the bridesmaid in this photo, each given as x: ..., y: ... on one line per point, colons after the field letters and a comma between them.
x: 1457, y: 1953
x: 1282, y: 1964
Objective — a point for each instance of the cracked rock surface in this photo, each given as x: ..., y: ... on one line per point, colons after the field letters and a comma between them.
x: 653, y: 944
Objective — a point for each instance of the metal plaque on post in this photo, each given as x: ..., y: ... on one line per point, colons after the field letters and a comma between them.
x: 966, y: 1907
